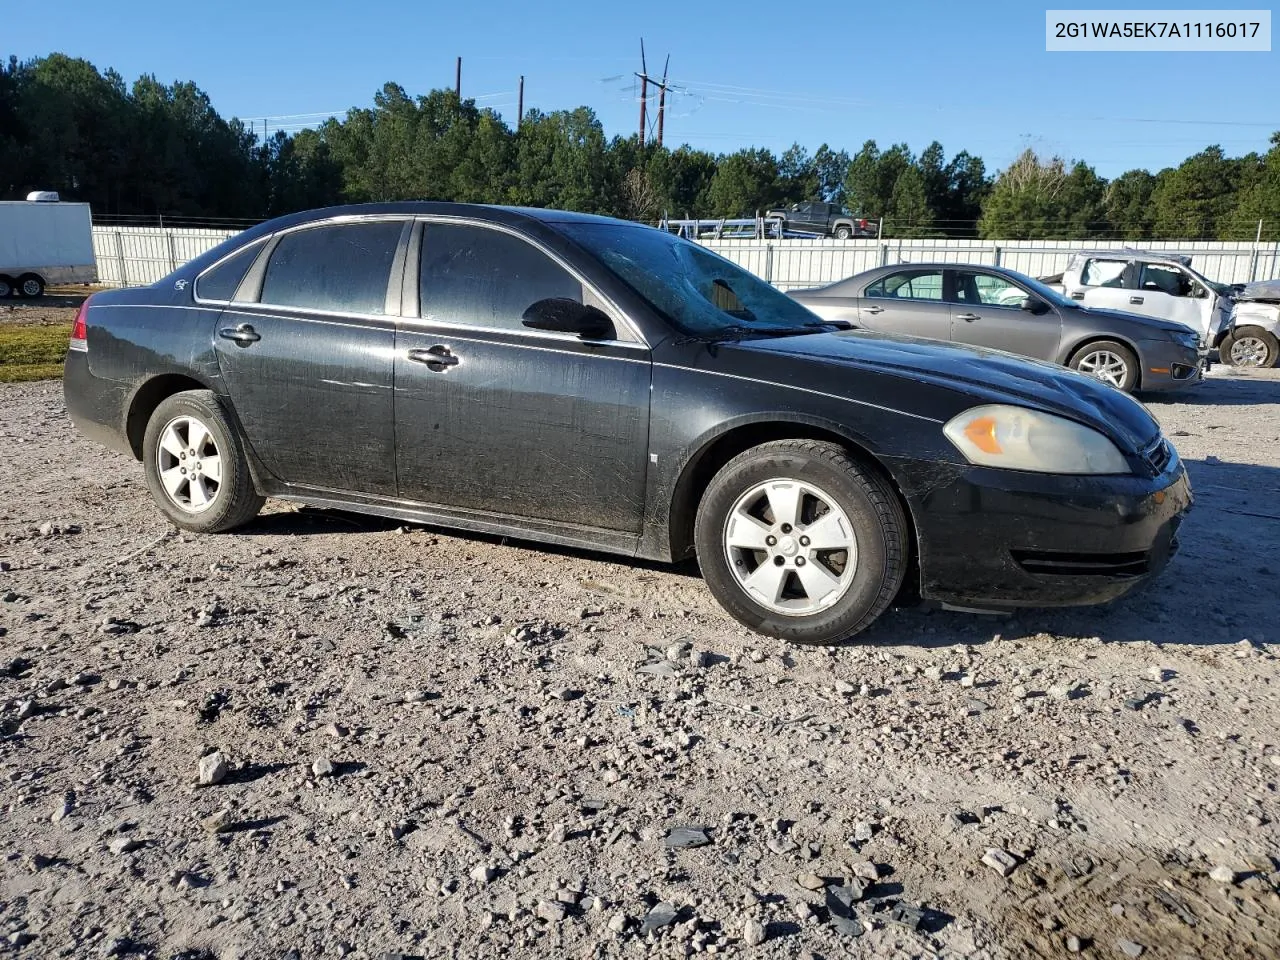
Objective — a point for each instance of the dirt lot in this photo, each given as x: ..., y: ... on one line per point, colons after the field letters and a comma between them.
x: 452, y: 746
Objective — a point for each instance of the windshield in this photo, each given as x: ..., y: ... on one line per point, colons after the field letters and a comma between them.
x: 1042, y: 291
x: 700, y: 293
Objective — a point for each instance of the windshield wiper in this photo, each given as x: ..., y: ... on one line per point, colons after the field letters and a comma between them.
x: 736, y: 333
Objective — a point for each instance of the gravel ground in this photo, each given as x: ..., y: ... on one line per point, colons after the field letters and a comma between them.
x: 454, y: 746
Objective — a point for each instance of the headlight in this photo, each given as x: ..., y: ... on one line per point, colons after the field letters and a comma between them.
x: 1015, y: 438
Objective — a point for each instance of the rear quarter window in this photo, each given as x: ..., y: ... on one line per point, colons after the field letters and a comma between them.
x: 220, y: 282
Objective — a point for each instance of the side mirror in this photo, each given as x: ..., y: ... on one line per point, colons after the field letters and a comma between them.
x: 1033, y: 305
x: 563, y: 315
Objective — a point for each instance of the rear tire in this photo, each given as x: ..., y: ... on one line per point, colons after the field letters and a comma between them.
x: 1249, y: 347
x: 6, y: 288
x: 1108, y: 361
x: 195, y: 465
x: 30, y: 286
x: 798, y: 540
x: 843, y: 232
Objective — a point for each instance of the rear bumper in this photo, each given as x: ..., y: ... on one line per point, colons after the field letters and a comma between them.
x: 997, y: 539
x: 96, y: 405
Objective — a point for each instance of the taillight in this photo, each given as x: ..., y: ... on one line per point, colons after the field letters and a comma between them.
x: 79, y: 330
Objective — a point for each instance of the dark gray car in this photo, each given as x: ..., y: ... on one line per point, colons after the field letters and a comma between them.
x: 1005, y: 310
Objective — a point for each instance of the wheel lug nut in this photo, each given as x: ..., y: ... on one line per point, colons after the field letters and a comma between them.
x: 799, y: 561
x: 786, y: 528
x: 779, y: 561
x: 804, y: 541
x: 771, y: 540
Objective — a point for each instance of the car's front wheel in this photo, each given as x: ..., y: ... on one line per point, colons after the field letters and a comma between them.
x: 799, y: 540
x: 195, y: 465
x: 1249, y: 347
x: 1108, y: 361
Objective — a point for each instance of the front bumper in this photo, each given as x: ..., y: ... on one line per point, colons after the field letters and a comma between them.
x: 1167, y: 365
x: 1000, y: 539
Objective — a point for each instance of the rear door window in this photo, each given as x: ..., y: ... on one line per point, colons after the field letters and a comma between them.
x: 486, y: 278
x: 341, y: 267
x: 908, y: 285
x: 1103, y: 273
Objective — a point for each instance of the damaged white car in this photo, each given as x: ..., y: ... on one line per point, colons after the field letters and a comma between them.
x: 1251, y: 339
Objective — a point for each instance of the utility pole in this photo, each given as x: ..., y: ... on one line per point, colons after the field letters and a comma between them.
x: 457, y: 80
x: 520, y: 106
x: 662, y: 98
x: 645, y: 80
x: 644, y: 89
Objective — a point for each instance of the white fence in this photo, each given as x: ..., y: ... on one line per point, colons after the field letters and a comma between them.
x: 136, y: 256
x: 133, y: 256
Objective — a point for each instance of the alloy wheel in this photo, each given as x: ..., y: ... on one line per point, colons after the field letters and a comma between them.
x: 790, y: 546
x: 1249, y: 352
x: 189, y: 464
x: 31, y: 287
x: 1105, y: 366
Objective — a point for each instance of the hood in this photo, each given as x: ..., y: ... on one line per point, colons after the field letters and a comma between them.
x: 988, y: 376
x: 1150, y: 323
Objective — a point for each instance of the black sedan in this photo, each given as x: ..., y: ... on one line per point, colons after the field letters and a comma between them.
x: 585, y: 381
x: 1006, y: 310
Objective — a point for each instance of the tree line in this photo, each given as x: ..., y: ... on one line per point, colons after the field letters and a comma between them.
x: 149, y: 149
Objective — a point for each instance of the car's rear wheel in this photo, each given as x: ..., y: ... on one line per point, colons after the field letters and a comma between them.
x: 844, y: 232
x: 6, y: 288
x: 799, y: 540
x: 1249, y: 347
x: 30, y: 286
x: 1108, y: 361
x: 195, y: 465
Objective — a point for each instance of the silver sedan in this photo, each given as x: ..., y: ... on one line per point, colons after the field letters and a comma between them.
x: 1005, y: 310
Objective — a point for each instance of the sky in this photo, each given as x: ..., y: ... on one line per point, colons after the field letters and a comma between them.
x: 972, y: 74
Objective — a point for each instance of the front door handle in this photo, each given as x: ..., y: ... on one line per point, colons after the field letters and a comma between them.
x: 873, y: 310
x: 243, y: 335
x: 436, y: 358
x: 1135, y: 300
x: 968, y: 317
x: 1078, y: 295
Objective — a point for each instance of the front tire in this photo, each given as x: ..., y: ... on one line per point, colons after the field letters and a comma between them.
x: 1249, y: 347
x: 6, y: 288
x: 798, y: 540
x: 195, y: 465
x: 1108, y: 361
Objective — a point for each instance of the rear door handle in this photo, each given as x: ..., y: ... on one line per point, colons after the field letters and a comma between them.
x: 436, y: 358
x: 243, y: 335
x: 968, y: 317
x: 1135, y: 299
x: 873, y: 310
x: 1079, y: 295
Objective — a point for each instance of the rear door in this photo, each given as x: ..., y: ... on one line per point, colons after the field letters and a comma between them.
x: 496, y: 418
x: 1105, y: 283
x: 1168, y: 292
x: 986, y: 310
x: 306, y: 352
x: 908, y: 301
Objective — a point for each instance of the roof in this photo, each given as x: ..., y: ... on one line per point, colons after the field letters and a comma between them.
x: 1129, y: 253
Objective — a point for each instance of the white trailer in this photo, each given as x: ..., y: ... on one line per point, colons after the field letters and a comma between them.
x: 42, y: 243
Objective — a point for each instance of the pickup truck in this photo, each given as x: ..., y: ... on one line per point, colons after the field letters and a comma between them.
x: 1157, y: 285
x: 823, y: 219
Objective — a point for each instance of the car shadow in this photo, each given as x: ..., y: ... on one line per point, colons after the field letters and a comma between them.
x: 1234, y: 389
x: 1228, y: 538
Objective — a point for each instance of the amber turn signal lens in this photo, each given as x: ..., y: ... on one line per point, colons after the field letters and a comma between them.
x: 982, y: 433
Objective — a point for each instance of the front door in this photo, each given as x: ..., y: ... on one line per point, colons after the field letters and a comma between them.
x: 986, y: 310
x: 308, y: 362
x: 1167, y: 292
x: 909, y: 302
x: 496, y: 418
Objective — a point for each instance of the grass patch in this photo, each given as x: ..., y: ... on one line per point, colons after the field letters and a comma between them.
x: 32, y: 351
